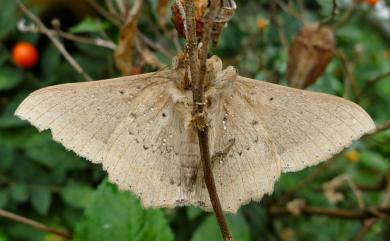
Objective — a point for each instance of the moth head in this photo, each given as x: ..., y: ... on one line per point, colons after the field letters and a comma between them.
x: 179, y: 61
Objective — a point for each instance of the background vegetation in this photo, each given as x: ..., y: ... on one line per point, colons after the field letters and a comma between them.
x: 40, y: 180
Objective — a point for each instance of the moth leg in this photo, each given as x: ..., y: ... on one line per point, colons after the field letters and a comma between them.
x: 188, y: 177
x: 219, y: 156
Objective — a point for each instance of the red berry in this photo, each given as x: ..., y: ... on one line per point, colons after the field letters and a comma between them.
x: 372, y: 2
x: 24, y: 55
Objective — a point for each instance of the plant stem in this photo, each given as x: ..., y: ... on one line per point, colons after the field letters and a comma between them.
x: 197, y: 64
x: 34, y: 224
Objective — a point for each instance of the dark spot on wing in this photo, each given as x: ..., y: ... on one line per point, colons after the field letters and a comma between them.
x: 271, y: 98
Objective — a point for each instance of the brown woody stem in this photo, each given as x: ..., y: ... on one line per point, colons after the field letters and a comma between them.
x: 374, y: 212
x: 34, y: 224
x: 197, y: 64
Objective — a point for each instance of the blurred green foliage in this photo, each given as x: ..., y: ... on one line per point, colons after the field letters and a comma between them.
x: 41, y: 180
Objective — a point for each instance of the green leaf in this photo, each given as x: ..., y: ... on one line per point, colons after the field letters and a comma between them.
x: 8, y: 17
x: 3, y: 238
x: 3, y: 197
x: 209, y: 229
x: 50, y: 60
x: 7, y: 118
x: 77, y: 195
x: 9, y: 78
x: 41, y: 198
x: 19, y: 192
x: 193, y: 212
x: 6, y: 156
x: 89, y: 25
x: 119, y: 216
x: 47, y: 152
x: 373, y: 160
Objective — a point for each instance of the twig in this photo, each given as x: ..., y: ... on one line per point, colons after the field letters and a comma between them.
x: 155, y: 46
x: 176, y: 42
x: 318, y: 171
x: 23, y: 27
x: 54, y: 40
x: 385, y: 126
x: 34, y: 224
x: 344, y: 19
x: 350, y: 81
x: 367, y: 224
x: 279, y: 25
x: 380, y: 185
x: 126, y: 39
x: 204, y: 48
x: 121, y: 6
x: 333, y: 14
x: 114, y: 12
x: 288, y: 10
x: 198, y: 98
x: 105, y: 13
x: 375, y: 212
x: 371, y: 83
x: 302, y: 6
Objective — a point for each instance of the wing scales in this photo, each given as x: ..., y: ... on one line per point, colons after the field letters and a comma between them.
x: 306, y: 127
x: 82, y: 116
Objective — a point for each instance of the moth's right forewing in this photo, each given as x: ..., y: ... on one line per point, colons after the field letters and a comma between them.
x: 306, y: 127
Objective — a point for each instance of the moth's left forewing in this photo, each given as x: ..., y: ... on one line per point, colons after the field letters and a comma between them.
x: 306, y: 127
x: 82, y: 116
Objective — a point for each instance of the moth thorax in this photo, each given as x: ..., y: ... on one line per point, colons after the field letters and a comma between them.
x: 224, y: 78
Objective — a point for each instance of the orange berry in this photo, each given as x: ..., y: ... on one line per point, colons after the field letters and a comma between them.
x: 372, y: 2
x: 262, y: 23
x: 352, y: 156
x: 24, y: 55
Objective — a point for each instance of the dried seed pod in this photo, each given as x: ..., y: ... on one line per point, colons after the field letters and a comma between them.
x: 225, y: 13
x: 309, y: 54
x: 200, y: 9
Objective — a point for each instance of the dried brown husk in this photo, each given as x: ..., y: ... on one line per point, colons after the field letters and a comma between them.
x: 309, y: 55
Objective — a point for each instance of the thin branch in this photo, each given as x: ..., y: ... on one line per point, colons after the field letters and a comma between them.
x: 344, y: 19
x: 114, y: 12
x: 23, y: 27
x: 350, y: 81
x: 198, y: 98
x: 204, y: 48
x: 371, y: 83
x: 176, y: 42
x: 54, y: 40
x: 289, y: 10
x: 105, y: 13
x: 384, y: 127
x: 375, y: 212
x: 279, y: 25
x: 34, y: 224
x: 333, y: 14
x: 367, y: 224
x: 155, y: 46
x: 309, y: 179
x: 127, y: 37
x: 121, y: 6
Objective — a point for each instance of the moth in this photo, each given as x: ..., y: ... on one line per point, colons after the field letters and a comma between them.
x: 140, y: 129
